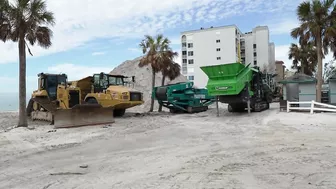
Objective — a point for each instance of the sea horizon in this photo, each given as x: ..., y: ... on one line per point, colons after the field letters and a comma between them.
x: 10, y: 102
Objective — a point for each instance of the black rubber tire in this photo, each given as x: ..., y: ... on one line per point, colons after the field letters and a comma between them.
x: 119, y: 112
x: 172, y: 110
x: 230, y: 109
x: 92, y: 101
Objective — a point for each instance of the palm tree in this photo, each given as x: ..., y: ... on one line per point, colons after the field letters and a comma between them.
x: 329, y: 70
x: 22, y: 22
x: 171, y: 70
x: 317, y: 20
x: 305, y: 55
x: 155, y: 54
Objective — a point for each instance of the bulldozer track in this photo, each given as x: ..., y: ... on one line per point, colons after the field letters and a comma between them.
x: 46, y: 104
x: 42, y: 116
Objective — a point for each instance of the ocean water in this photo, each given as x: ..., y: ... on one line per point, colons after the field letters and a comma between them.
x: 10, y: 101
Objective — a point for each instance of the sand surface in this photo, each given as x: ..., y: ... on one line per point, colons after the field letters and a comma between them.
x: 267, y: 150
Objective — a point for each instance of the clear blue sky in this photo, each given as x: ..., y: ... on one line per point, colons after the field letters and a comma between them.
x: 98, y: 35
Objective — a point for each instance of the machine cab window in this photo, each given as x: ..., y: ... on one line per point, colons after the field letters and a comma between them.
x: 103, y: 81
x: 50, y: 82
x: 113, y: 80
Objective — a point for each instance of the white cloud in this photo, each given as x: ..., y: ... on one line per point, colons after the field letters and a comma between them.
x: 178, y: 59
x: 176, y: 40
x: 75, y: 72
x: 98, y: 53
x: 78, y: 23
x: 282, y: 26
x: 137, y: 50
x: 281, y: 53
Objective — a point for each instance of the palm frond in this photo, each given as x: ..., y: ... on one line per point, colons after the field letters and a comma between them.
x: 43, y: 36
x: 26, y: 20
x: 304, y: 11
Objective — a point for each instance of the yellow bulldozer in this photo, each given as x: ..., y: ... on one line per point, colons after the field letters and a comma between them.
x: 82, y: 102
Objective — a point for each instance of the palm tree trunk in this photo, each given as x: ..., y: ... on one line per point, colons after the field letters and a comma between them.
x: 162, y: 84
x: 302, y: 68
x: 22, y: 84
x: 153, y: 85
x: 319, y: 68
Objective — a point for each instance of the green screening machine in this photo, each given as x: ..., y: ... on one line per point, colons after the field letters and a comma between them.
x: 239, y: 86
x: 183, y: 97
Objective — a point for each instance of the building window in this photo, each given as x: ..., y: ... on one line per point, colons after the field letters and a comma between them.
x: 254, y: 54
x: 255, y: 62
x: 184, y: 52
x: 190, y: 45
x: 218, y: 49
x: 191, y: 77
x: 184, y: 44
x: 254, y: 45
x: 218, y: 58
x: 184, y: 70
x: 218, y: 41
x: 191, y: 61
x: 184, y: 61
x: 190, y: 53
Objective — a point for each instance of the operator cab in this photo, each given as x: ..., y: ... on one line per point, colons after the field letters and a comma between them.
x: 50, y: 82
x: 102, y: 81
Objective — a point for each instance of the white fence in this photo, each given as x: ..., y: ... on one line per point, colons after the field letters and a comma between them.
x: 314, y: 106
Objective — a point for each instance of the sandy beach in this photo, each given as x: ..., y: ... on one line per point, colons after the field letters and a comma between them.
x: 270, y: 149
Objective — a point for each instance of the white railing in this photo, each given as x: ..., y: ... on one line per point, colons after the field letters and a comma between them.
x: 312, y: 108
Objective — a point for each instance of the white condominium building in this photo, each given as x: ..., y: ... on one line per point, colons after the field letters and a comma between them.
x: 222, y: 45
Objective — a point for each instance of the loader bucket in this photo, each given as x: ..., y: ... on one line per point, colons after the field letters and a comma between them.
x: 83, y: 115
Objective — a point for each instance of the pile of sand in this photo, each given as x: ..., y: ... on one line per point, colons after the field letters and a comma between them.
x: 143, y: 81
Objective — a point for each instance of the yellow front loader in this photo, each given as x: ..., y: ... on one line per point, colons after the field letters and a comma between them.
x: 60, y: 104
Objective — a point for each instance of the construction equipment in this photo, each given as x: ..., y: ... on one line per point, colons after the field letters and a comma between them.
x: 238, y: 85
x: 109, y: 91
x: 182, y: 97
x: 270, y: 80
x: 59, y: 104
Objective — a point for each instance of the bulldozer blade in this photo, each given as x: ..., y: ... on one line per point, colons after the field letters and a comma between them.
x: 83, y: 115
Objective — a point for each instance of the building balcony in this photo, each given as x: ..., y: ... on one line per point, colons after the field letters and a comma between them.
x: 184, y: 56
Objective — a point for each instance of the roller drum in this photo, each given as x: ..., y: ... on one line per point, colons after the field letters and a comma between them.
x: 161, y: 93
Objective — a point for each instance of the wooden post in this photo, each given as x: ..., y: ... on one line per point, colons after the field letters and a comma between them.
x: 248, y: 98
x: 312, y: 107
x: 217, y: 106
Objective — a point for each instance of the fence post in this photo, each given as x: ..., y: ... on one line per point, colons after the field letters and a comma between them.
x: 288, y: 106
x: 312, y: 107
